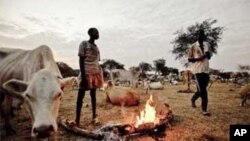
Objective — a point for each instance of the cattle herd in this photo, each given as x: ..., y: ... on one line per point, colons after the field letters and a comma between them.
x: 32, y: 78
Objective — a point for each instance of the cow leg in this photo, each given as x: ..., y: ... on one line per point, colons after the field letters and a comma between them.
x: 122, y: 109
x: 211, y: 83
x: 7, y: 115
x: 244, y: 100
x: 147, y: 90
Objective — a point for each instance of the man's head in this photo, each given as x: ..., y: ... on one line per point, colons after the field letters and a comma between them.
x: 201, y: 35
x: 93, y: 33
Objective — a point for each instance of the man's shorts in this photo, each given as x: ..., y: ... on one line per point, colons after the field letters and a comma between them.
x: 93, y: 81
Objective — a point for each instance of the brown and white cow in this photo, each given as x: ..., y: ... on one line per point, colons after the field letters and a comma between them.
x: 244, y: 93
x: 121, y: 96
x: 32, y: 77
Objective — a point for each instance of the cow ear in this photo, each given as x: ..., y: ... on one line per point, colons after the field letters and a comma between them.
x: 15, y: 88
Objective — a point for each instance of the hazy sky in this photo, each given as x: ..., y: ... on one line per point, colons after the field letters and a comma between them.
x: 131, y: 31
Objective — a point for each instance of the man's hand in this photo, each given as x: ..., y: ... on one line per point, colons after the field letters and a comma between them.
x: 208, y: 55
x: 202, y: 57
x: 197, y: 59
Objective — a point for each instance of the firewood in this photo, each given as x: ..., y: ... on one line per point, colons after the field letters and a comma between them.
x: 127, y: 131
x: 79, y: 131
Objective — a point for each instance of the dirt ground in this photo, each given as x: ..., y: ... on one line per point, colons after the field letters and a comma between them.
x: 188, y: 124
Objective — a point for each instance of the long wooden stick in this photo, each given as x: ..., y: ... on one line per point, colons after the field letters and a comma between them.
x: 79, y: 131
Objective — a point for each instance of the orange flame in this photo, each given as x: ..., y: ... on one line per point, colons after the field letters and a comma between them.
x: 148, y: 115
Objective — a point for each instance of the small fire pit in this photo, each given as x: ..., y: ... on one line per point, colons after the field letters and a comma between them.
x: 149, y: 122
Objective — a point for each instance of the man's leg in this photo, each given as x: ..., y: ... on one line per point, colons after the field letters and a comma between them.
x: 197, y: 93
x: 80, y: 96
x: 204, y: 100
x: 194, y: 98
x: 203, y: 87
x: 93, y: 102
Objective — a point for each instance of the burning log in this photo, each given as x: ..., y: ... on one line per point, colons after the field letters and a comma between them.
x: 158, y: 124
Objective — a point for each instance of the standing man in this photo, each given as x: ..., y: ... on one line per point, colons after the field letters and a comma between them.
x: 199, y: 55
x: 91, y: 73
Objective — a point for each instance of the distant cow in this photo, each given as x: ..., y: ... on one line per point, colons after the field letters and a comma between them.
x: 187, y: 76
x: 225, y: 76
x: 121, y: 96
x: 32, y: 77
x: 212, y: 78
x: 245, y: 93
x: 124, y: 76
x: 152, y: 86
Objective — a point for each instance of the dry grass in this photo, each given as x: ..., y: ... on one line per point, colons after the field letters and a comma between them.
x: 188, y: 124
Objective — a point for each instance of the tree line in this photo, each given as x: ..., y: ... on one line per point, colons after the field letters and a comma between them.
x: 159, y: 66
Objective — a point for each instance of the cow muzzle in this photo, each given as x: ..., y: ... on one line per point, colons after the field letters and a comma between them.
x: 43, y: 131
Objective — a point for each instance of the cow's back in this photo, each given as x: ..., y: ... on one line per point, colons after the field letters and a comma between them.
x: 245, y: 90
x: 5, y: 52
x: 22, y: 64
x: 123, y: 96
x: 9, y: 63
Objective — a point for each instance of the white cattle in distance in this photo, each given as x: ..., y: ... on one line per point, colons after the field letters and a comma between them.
x: 124, y: 77
x: 32, y: 77
x: 153, y: 86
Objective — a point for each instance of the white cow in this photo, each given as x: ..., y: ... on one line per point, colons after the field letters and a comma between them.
x: 32, y: 77
x: 124, y: 76
x: 153, y: 86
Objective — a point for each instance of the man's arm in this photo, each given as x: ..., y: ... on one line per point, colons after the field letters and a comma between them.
x: 82, y: 67
x: 81, y: 55
x: 207, y: 55
x: 191, y: 56
x: 196, y: 59
x: 83, y: 74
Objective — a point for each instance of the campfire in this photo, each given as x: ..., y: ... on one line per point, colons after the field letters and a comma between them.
x: 152, y: 120
x: 148, y: 115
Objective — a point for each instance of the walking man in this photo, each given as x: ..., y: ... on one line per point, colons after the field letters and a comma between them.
x: 199, y: 55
